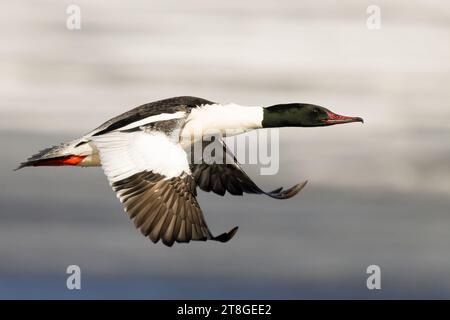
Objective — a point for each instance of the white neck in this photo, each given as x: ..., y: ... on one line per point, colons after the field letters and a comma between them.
x: 229, y: 119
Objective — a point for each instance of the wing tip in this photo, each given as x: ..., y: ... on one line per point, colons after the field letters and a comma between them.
x: 226, y: 236
x: 289, y: 193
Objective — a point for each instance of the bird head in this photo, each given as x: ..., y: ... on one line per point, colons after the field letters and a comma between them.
x: 303, y: 115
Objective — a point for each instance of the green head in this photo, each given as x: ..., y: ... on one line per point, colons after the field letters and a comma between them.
x: 302, y: 115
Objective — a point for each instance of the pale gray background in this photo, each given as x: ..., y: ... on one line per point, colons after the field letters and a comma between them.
x: 378, y: 193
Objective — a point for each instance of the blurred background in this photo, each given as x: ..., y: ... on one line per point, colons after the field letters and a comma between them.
x: 378, y: 193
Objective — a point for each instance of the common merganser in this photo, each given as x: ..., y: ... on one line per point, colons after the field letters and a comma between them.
x: 143, y: 153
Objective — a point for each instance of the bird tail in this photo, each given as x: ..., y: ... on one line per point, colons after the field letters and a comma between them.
x: 65, y: 154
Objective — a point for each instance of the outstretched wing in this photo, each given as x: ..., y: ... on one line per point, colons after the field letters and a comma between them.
x: 228, y: 175
x: 151, y: 176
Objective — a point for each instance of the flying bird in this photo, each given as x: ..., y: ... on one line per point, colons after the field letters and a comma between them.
x: 145, y: 155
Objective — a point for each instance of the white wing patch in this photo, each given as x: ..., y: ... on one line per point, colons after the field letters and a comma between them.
x: 125, y: 154
x: 151, y: 119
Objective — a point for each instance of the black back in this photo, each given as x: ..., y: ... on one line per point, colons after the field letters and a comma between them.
x: 170, y: 105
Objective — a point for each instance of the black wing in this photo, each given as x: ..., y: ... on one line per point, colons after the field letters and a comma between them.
x: 229, y: 176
